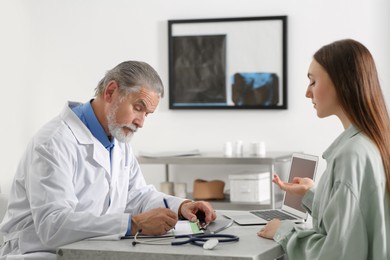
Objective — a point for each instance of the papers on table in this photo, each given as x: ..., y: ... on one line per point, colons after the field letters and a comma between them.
x: 185, y: 227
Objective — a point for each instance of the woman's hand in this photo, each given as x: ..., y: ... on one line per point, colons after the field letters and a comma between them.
x: 299, y: 185
x: 269, y: 230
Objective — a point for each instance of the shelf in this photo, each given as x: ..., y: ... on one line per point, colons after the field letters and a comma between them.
x: 219, y: 159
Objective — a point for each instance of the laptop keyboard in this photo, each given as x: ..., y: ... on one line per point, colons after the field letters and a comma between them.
x: 271, y: 214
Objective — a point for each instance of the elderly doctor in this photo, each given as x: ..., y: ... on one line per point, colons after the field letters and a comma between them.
x: 79, y: 177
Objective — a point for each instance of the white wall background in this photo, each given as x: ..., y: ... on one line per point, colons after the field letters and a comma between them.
x: 52, y: 51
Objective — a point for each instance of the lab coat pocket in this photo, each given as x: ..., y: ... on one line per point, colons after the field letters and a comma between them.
x: 119, y: 191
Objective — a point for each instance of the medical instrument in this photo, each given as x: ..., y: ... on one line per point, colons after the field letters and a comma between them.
x: 213, y: 228
x: 210, y: 244
x: 207, y: 241
x: 201, y: 216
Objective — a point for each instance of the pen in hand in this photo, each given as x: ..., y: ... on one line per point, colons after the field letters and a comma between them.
x: 166, y: 205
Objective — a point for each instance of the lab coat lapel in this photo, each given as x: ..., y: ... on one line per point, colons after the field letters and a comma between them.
x: 84, y: 136
x: 119, y: 180
x: 102, y: 156
x: 116, y: 161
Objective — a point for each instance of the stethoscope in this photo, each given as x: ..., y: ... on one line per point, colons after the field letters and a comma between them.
x: 207, y: 241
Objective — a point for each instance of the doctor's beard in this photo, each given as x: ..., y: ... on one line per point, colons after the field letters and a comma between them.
x: 117, y: 130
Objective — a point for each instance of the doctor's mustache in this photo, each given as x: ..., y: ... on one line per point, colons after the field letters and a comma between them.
x: 132, y: 127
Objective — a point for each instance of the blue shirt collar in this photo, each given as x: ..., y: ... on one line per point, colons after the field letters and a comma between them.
x: 88, y: 117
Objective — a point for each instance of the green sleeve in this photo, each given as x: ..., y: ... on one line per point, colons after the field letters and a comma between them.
x: 307, y: 200
x: 341, y: 234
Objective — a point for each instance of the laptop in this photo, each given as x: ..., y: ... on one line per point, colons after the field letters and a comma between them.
x: 302, y: 165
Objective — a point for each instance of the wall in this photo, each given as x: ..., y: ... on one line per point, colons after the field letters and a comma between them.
x: 56, y: 50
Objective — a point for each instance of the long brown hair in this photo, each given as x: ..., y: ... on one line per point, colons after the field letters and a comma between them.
x: 352, y: 70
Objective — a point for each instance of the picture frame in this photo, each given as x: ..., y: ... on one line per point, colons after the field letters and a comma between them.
x: 228, y: 63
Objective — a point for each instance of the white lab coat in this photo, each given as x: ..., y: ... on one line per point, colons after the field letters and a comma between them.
x: 66, y: 189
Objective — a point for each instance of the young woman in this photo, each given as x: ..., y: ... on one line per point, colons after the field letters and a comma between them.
x: 350, y: 205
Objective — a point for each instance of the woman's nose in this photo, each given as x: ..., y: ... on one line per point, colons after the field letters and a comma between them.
x: 309, y: 94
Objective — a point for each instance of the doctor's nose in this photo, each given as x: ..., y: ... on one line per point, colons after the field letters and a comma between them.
x: 139, y: 120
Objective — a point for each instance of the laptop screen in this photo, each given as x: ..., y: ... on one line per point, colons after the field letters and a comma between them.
x: 300, y: 167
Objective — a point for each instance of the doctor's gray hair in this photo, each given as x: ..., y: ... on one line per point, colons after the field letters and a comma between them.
x: 131, y: 76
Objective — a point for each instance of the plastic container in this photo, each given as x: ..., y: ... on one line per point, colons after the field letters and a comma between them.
x: 253, y: 187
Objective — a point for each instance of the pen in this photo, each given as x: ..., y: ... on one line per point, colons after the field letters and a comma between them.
x: 166, y: 205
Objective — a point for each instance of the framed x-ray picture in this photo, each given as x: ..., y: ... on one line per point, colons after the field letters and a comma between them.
x: 228, y: 63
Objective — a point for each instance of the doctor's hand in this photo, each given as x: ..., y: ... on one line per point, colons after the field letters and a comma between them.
x: 192, y: 210
x: 154, y: 222
x: 299, y: 185
x: 269, y: 230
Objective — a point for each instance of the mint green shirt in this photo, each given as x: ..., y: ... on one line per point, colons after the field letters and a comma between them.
x: 350, y: 206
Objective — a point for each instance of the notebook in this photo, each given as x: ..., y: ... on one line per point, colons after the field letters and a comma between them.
x: 302, y: 165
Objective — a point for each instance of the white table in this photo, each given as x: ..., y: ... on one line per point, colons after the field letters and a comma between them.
x: 250, y: 246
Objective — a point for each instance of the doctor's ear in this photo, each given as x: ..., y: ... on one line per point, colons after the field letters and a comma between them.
x: 109, y: 91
